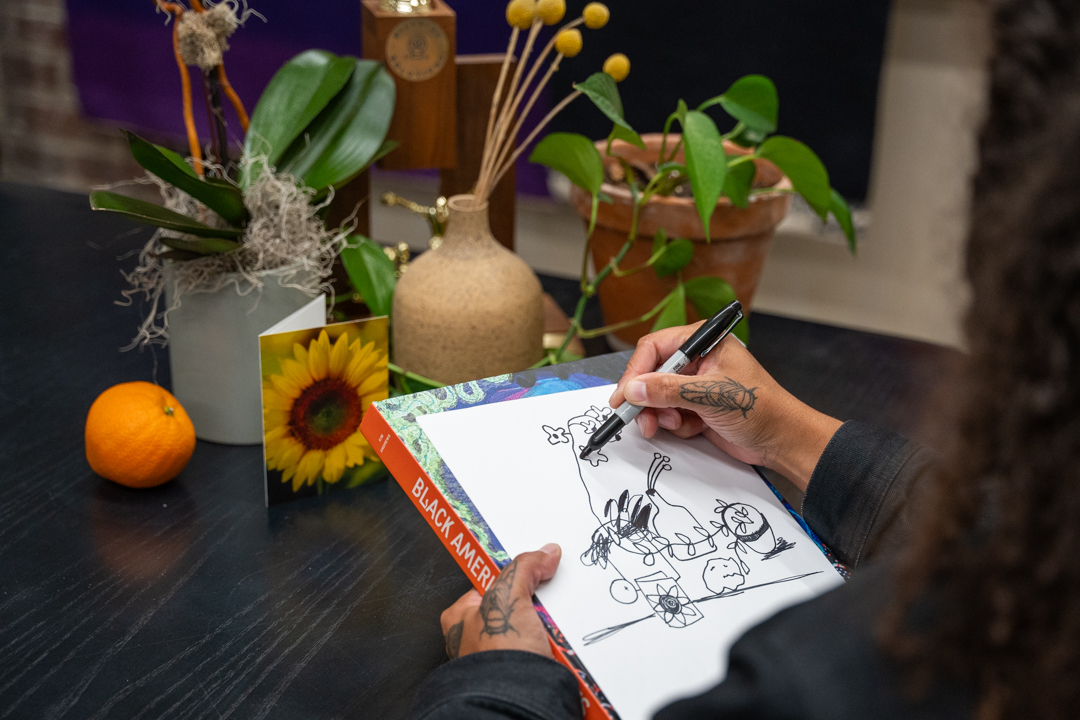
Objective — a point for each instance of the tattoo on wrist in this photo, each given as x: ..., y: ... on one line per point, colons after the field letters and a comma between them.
x: 720, y: 395
x: 497, y: 607
x: 453, y: 640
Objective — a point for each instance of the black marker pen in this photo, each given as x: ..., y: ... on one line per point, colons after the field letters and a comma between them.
x: 708, y: 336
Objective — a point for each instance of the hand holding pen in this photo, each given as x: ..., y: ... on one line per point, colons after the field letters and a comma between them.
x: 727, y: 397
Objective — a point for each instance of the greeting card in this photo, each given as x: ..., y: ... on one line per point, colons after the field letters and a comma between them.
x: 318, y: 380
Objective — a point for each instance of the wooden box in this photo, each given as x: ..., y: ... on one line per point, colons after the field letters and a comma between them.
x: 418, y: 50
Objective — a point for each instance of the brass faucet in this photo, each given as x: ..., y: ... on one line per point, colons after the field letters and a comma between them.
x: 399, y: 255
x: 436, y: 216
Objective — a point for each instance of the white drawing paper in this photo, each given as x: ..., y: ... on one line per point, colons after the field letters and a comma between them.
x: 671, y: 548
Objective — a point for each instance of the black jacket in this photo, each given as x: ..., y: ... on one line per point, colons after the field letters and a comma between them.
x: 818, y: 659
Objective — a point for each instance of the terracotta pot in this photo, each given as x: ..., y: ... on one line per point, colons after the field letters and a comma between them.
x: 468, y: 308
x: 740, y: 237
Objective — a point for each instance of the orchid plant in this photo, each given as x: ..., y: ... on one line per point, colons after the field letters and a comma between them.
x: 320, y: 122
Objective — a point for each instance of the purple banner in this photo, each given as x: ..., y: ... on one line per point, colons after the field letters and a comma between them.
x: 125, y: 70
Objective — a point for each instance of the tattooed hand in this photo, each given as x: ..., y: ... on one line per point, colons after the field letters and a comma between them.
x: 730, y: 399
x: 503, y: 618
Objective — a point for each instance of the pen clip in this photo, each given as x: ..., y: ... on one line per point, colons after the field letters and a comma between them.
x: 728, y: 329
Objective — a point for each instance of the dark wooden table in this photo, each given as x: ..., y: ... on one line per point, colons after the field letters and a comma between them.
x: 193, y: 600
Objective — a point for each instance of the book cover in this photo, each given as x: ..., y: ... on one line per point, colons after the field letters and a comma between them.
x: 394, y: 431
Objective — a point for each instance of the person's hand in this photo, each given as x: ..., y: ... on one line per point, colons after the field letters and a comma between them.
x: 730, y: 399
x: 503, y: 618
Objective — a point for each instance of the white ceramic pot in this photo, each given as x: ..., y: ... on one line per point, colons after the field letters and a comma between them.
x: 214, y: 356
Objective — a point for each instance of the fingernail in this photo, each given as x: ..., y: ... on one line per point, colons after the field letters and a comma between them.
x: 635, y: 392
x: 667, y: 421
x: 550, y: 549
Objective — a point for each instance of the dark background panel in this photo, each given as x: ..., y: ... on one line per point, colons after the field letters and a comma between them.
x: 824, y: 56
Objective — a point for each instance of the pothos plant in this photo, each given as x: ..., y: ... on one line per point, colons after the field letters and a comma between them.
x: 711, y: 173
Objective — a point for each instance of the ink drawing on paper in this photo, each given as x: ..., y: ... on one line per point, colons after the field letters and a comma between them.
x: 671, y: 549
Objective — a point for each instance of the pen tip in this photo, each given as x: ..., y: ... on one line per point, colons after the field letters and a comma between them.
x: 585, y: 453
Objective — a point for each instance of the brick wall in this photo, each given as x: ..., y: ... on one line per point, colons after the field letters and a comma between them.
x: 44, y: 138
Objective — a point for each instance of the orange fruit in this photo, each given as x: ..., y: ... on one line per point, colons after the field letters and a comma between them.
x: 138, y: 435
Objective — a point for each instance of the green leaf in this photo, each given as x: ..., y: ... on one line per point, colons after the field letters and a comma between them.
x: 659, y: 241
x: 674, y: 313
x: 295, y: 96
x: 620, y: 132
x: 751, y: 100
x: 357, y: 143
x: 575, y: 156
x: 219, y: 196
x: 178, y: 161
x: 681, y: 109
x: 387, y: 147
x: 709, y: 295
x: 706, y: 163
x: 321, y: 132
x: 371, y: 273
x: 737, y: 184
x: 601, y: 89
x: 677, y: 255
x: 748, y: 137
x: 806, y: 172
x: 670, y: 167
x: 840, y: 210
x: 201, y: 246
x: 150, y: 214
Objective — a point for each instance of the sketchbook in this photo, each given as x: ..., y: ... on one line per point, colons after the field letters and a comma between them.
x: 671, y: 549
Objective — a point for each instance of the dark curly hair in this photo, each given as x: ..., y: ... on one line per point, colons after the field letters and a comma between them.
x: 1000, y: 550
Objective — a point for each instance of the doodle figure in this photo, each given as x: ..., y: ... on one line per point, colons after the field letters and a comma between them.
x: 631, y: 538
x: 723, y: 574
x: 682, y: 535
x: 668, y: 600
x: 751, y: 531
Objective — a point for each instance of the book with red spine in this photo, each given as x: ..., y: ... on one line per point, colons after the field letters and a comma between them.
x: 391, y: 428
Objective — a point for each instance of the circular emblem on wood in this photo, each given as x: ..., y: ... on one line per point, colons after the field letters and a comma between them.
x: 417, y: 49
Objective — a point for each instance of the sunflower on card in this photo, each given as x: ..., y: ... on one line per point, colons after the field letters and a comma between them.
x: 316, y: 386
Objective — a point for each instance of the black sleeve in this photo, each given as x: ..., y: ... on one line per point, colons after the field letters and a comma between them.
x: 861, y: 494
x: 758, y: 686
x: 499, y: 685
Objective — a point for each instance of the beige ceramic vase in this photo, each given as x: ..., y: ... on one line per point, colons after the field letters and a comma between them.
x: 469, y: 308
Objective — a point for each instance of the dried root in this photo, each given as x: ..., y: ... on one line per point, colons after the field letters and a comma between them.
x: 204, y: 36
x: 285, y: 240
